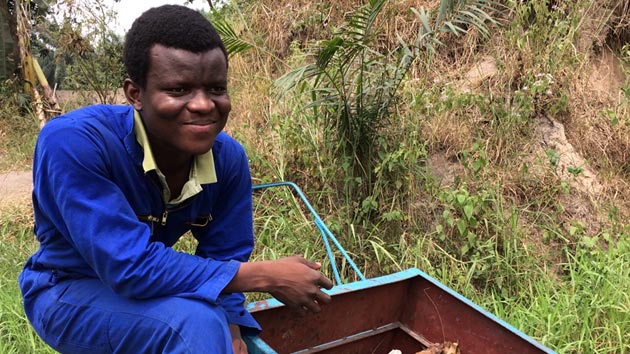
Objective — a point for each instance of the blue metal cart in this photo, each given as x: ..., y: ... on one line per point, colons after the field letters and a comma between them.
x: 408, y: 311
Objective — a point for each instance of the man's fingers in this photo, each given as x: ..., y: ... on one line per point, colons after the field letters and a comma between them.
x: 310, y: 264
x: 239, y: 346
x: 313, y: 306
x: 302, y: 311
x: 322, y: 298
x: 325, y: 283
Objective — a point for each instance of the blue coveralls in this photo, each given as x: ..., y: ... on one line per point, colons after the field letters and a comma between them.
x: 105, y: 278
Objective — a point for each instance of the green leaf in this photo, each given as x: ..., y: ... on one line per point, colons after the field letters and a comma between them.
x: 589, y: 242
x: 478, y: 165
x: 462, y: 226
x: 233, y: 43
x: 472, y: 238
x: 445, y: 5
x: 456, y: 30
x: 423, y: 16
x: 328, y: 51
x: 468, y: 211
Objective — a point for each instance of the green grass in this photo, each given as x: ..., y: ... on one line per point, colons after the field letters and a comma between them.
x: 585, y: 309
x: 18, y: 242
x: 18, y: 133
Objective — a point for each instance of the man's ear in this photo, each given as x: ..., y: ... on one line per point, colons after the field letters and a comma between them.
x: 133, y: 93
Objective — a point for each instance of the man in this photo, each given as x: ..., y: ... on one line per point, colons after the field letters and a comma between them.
x: 116, y: 186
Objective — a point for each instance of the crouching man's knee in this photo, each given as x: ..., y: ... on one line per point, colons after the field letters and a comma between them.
x: 181, y: 326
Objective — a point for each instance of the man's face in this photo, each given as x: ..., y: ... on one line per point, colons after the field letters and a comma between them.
x: 185, y: 103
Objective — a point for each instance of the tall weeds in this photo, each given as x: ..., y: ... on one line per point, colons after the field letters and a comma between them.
x: 354, y: 82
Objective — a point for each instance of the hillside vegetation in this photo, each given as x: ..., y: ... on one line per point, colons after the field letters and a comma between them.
x: 493, y: 155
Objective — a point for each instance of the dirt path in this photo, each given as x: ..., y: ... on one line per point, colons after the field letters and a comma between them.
x: 15, y: 188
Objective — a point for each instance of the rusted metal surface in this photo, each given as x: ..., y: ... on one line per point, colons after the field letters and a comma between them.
x: 406, y: 311
x: 439, y: 316
x: 349, y: 313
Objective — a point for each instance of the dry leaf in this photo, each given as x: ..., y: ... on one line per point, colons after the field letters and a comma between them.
x: 442, y: 348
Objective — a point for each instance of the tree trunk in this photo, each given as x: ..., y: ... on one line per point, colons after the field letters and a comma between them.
x: 52, y: 107
x: 26, y: 59
x: 9, y: 41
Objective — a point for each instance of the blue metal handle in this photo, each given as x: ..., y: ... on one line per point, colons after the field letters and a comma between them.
x: 323, y: 229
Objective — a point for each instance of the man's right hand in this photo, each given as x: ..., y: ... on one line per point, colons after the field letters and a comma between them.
x: 295, y: 281
x: 301, y: 288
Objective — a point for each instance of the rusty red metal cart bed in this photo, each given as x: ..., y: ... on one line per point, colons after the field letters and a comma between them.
x: 407, y: 311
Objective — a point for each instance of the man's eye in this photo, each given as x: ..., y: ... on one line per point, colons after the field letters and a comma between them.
x: 218, y: 90
x: 176, y: 90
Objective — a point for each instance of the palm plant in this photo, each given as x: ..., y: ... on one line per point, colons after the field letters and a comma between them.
x: 353, y: 82
x: 233, y: 43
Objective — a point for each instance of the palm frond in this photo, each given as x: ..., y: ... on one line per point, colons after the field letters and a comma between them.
x: 328, y: 51
x: 295, y: 77
x: 361, y: 22
x: 233, y: 43
x: 445, y: 7
x: 476, y: 13
x: 455, y: 17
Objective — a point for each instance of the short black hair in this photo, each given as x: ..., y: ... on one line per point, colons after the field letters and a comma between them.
x: 172, y: 26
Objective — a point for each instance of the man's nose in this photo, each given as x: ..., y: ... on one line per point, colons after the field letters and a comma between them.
x: 200, y: 102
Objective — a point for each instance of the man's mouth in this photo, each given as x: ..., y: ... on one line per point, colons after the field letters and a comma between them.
x: 201, y: 122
